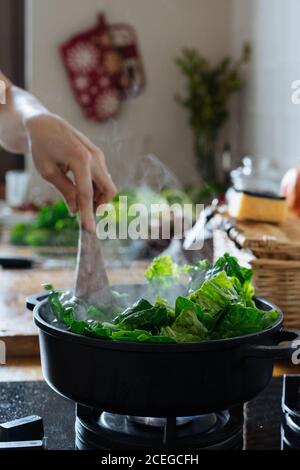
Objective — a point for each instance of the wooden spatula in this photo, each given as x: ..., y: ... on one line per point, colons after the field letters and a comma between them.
x: 91, y: 282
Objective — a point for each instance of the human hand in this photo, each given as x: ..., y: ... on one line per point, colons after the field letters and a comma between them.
x: 58, y: 148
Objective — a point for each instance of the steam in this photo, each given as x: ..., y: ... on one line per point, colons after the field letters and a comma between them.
x: 132, y: 164
x: 150, y: 174
x: 154, y: 174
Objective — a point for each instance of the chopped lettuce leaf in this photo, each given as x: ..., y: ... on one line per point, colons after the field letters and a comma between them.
x: 163, y: 272
x: 130, y: 335
x: 160, y: 302
x: 78, y: 326
x: 184, y: 304
x: 138, y: 306
x: 187, y: 320
x: 215, y: 294
x: 99, y: 331
x: 231, y: 266
x: 179, y: 337
x: 240, y: 320
x: 186, y: 328
x: 241, y: 277
x: 150, y: 319
x: 221, y: 306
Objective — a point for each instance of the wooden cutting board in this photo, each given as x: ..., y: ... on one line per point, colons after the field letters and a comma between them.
x: 268, y: 240
x: 16, y: 325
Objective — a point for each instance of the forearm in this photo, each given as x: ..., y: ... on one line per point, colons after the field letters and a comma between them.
x: 56, y: 148
x: 20, y: 106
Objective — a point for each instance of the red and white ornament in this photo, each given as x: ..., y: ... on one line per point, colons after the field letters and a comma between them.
x: 104, y: 67
x: 95, y: 71
x: 83, y: 57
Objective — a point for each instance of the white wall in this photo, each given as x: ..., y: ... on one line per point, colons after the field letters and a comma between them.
x: 153, y: 121
x: 271, y: 123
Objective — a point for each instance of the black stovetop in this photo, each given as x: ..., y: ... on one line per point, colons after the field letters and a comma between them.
x: 262, y: 416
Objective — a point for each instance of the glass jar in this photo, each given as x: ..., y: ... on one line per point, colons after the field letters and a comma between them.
x: 259, y: 175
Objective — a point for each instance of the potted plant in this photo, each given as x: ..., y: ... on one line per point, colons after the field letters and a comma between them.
x: 209, y: 88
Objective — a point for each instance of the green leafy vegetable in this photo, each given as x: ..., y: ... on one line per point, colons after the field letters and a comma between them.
x: 78, y: 326
x: 215, y: 294
x: 160, y: 302
x: 186, y: 328
x: 150, y: 319
x: 139, y: 306
x: 231, y: 266
x: 68, y: 316
x: 56, y: 306
x: 220, y: 306
x: 163, y: 272
x: 54, y: 226
x: 184, y: 304
x: 99, y: 331
x: 240, y: 276
x: 240, y: 320
x: 130, y: 335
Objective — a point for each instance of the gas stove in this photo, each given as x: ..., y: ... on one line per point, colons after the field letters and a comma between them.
x: 101, y: 430
x: 55, y: 423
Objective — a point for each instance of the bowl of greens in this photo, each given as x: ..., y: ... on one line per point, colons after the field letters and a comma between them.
x: 53, y: 226
x: 193, y: 339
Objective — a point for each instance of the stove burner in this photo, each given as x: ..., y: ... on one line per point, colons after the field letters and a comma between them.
x: 108, y: 431
x: 210, y: 420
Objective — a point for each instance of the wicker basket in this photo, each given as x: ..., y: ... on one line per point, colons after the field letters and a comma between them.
x: 276, y: 280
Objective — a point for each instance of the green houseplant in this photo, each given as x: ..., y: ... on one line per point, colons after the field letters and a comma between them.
x: 209, y: 88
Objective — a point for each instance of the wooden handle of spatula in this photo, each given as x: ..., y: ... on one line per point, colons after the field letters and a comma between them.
x: 91, y: 281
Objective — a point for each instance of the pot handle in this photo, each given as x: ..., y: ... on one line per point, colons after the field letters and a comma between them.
x: 35, y: 299
x: 282, y: 351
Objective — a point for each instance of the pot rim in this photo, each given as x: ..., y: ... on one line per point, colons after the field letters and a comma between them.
x: 226, y: 343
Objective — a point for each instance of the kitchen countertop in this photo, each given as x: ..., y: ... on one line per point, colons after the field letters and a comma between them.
x: 21, y: 369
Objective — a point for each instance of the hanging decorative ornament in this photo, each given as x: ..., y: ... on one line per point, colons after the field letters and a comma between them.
x: 104, y: 67
x: 95, y: 71
x: 83, y: 57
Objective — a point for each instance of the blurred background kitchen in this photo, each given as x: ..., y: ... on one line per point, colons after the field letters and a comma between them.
x: 184, y: 92
x: 267, y: 123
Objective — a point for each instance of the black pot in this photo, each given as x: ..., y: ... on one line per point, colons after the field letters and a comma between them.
x: 159, y: 379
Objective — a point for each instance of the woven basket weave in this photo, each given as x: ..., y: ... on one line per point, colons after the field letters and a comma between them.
x: 276, y: 280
